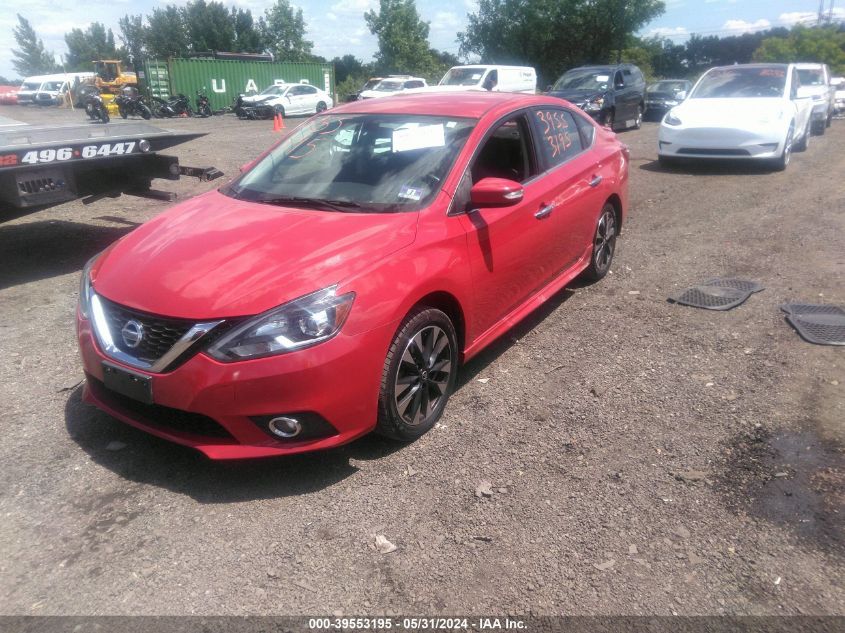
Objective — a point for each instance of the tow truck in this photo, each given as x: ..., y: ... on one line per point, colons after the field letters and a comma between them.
x: 45, y: 166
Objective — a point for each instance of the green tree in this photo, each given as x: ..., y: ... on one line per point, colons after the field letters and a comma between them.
x: 402, y: 38
x: 31, y: 58
x: 133, y: 35
x: 85, y: 46
x: 824, y: 45
x: 283, y: 30
x: 554, y: 35
x: 209, y: 26
x: 247, y: 35
x: 166, y: 34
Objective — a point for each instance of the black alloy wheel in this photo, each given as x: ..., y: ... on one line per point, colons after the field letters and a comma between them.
x: 418, y: 376
x: 604, y: 244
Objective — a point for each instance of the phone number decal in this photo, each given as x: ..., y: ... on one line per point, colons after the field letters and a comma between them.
x: 36, y: 157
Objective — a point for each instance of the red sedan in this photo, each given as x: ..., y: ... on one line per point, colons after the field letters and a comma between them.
x: 336, y: 286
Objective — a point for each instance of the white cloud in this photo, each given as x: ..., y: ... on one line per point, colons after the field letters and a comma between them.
x: 668, y: 31
x: 808, y: 17
x: 353, y: 6
x: 742, y: 26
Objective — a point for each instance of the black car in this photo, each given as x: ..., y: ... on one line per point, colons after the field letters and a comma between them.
x: 613, y: 95
x: 662, y: 96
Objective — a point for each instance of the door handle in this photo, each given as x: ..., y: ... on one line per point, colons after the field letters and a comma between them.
x: 596, y: 181
x: 544, y: 212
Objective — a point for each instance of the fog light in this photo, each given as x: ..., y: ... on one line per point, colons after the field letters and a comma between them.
x: 285, y: 427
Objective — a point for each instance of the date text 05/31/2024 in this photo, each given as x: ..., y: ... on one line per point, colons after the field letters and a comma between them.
x: 416, y: 624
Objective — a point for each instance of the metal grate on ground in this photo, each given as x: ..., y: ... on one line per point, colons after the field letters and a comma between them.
x: 717, y: 294
x: 815, y: 323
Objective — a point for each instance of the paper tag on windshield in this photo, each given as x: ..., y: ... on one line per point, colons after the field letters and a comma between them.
x: 602, y: 77
x: 410, y: 193
x: 419, y: 137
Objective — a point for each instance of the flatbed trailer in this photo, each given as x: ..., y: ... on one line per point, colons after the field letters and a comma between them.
x: 45, y: 166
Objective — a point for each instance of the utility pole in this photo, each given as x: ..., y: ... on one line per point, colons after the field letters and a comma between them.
x: 830, y: 13
x: 821, y: 13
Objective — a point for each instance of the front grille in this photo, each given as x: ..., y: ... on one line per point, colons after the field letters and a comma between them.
x: 706, y: 151
x: 160, y: 334
x: 158, y: 415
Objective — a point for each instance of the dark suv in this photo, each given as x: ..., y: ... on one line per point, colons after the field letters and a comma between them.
x: 613, y: 95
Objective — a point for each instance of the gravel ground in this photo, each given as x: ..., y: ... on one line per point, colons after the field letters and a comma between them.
x: 642, y: 457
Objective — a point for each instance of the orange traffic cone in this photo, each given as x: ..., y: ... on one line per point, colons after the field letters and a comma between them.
x: 281, y: 122
x: 276, y: 127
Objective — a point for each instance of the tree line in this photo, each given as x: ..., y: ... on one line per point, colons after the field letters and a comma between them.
x: 551, y: 35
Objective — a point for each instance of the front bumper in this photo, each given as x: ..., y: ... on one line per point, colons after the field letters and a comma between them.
x: 722, y: 143
x: 213, y: 403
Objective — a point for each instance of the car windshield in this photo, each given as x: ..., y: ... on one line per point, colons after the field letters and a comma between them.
x: 273, y: 90
x: 462, y: 77
x: 738, y: 82
x: 811, y: 76
x: 668, y: 86
x: 584, y: 80
x: 388, y: 86
x: 51, y: 85
x: 359, y: 163
x: 31, y: 85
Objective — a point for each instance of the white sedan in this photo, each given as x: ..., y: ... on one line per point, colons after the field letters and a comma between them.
x: 393, y: 85
x: 748, y: 111
x: 291, y: 99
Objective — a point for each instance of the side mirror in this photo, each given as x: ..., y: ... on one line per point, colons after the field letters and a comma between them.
x: 496, y: 192
x: 681, y: 95
x: 246, y: 166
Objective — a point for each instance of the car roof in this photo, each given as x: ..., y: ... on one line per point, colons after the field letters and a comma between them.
x: 808, y: 66
x: 469, y: 104
x: 772, y: 65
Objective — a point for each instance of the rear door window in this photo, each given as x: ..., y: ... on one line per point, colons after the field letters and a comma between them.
x: 558, y: 138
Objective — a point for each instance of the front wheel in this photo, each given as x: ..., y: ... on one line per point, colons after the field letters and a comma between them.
x: 782, y: 162
x: 145, y: 111
x: 122, y: 111
x: 321, y: 107
x: 608, y: 119
x: 418, y: 376
x: 638, y: 122
x: 205, y: 110
x: 104, y: 115
x: 604, y: 244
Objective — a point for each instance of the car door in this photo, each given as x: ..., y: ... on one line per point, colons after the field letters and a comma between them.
x: 509, y: 247
x: 572, y: 177
x: 309, y: 99
x: 803, y: 105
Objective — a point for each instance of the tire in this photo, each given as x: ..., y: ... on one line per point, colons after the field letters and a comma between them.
x: 145, y: 111
x: 639, y: 121
x: 829, y: 119
x: 604, y: 244
x: 804, y: 143
x: 122, y: 111
x: 609, y: 119
x: 321, y: 107
x: 279, y: 109
x: 205, y: 111
x: 104, y: 115
x: 781, y: 163
x: 417, y: 378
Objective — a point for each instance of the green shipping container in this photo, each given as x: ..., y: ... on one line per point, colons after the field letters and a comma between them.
x: 222, y: 80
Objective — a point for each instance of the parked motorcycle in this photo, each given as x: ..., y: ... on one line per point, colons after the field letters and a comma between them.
x: 203, y: 104
x: 176, y: 105
x: 128, y: 104
x: 96, y: 109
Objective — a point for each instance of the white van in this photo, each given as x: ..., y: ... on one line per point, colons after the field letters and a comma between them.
x: 490, y: 77
x: 47, y: 89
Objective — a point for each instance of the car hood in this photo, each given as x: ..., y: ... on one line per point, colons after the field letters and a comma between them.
x: 576, y: 96
x: 726, y: 113
x: 375, y: 94
x: 215, y: 257
x: 259, y: 98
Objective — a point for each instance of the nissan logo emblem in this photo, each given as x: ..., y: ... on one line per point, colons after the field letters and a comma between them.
x: 132, y: 333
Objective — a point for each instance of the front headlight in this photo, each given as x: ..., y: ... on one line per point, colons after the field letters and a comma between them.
x: 671, y: 119
x: 86, y: 289
x: 300, y: 323
x: 595, y: 105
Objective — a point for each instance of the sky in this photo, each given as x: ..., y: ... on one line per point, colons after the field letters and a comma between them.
x: 337, y: 26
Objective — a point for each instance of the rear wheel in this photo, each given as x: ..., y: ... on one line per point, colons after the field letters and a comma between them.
x: 145, y: 111
x: 604, y: 244
x: 122, y: 111
x: 104, y: 115
x: 418, y: 376
x: 321, y: 107
x: 608, y: 119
